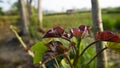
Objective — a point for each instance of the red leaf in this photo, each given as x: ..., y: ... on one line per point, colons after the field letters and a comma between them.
x: 67, y: 35
x: 57, y: 47
x: 80, y: 32
x: 53, y: 45
x: 54, y: 32
x: 84, y: 28
x: 48, y: 55
x: 107, y: 36
x: 76, y: 32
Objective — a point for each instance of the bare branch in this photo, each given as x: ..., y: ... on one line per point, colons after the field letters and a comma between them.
x: 22, y: 42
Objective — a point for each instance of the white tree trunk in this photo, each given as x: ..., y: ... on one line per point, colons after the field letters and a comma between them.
x: 98, y: 26
x: 40, y: 14
x: 23, y: 16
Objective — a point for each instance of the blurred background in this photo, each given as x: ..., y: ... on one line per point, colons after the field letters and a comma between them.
x: 33, y: 18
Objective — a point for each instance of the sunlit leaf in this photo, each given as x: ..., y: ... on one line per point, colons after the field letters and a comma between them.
x: 64, y: 64
x: 39, y: 49
x: 114, y: 46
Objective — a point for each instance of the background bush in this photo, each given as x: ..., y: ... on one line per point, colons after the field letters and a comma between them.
x: 117, y: 24
x: 108, y: 24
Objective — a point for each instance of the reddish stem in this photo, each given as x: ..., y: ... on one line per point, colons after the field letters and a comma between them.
x: 97, y: 55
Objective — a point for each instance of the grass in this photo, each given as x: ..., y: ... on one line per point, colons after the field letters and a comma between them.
x: 64, y: 20
x: 109, y: 21
x: 72, y: 20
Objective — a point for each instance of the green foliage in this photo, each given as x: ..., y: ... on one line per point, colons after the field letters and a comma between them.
x: 107, y: 23
x: 64, y: 20
x: 33, y: 33
x: 64, y: 64
x: 1, y: 12
x: 14, y: 9
x: 117, y: 24
x: 1, y: 66
x: 67, y: 21
x: 52, y: 14
x: 34, y: 20
x: 111, y: 10
x: 39, y: 48
x: 89, y: 53
x: 114, y: 11
x: 110, y: 21
x: 114, y: 46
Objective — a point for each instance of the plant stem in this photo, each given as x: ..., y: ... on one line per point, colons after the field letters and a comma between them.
x: 66, y: 39
x: 56, y: 63
x: 21, y: 41
x: 88, y: 47
x: 68, y: 59
x: 24, y: 45
x: 97, y: 55
x: 74, y: 49
x: 71, y: 45
x: 76, y: 58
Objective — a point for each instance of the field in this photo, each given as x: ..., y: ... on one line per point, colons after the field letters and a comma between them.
x: 64, y: 20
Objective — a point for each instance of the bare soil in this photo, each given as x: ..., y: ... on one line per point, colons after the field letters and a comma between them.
x: 12, y: 54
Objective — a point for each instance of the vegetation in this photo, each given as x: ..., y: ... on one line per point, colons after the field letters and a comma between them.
x: 117, y: 24
x: 110, y: 20
x: 62, y: 45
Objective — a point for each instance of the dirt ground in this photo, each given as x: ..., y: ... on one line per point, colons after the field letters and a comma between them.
x: 12, y: 54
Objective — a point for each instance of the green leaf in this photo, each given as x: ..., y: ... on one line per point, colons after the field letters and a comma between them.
x: 64, y: 64
x: 39, y: 49
x: 114, y: 46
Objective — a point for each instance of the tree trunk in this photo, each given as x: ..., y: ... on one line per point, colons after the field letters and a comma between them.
x: 29, y: 9
x: 23, y: 17
x: 40, y: 16
x: 98, y: 26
